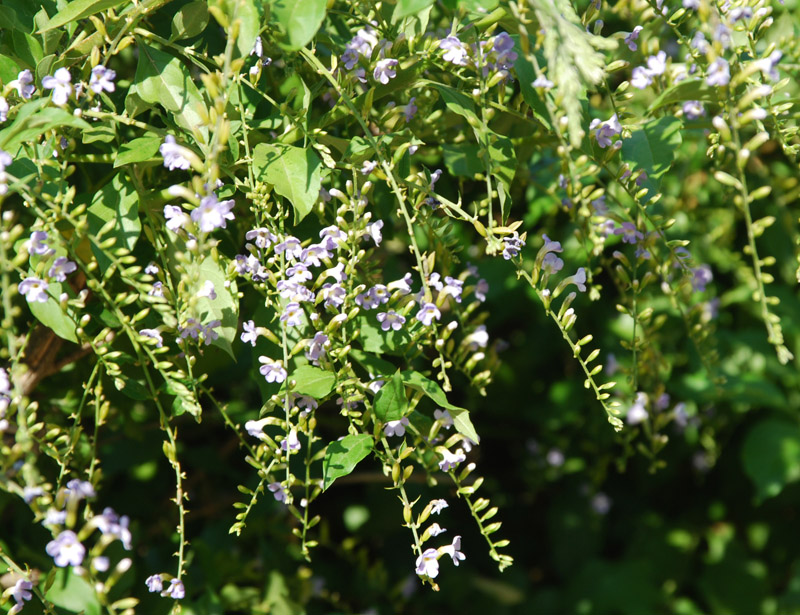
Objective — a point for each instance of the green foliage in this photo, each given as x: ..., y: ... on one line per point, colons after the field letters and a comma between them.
x: 293, y: 171
x: 341, y: 457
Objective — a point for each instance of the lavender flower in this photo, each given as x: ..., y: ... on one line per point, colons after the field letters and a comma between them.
x: 693, y: 109
x: 21, y: 593
x: 80, y: 489
x: 317, y: 346
x: 102, y: 79
x: 437, y: 506
x: 410, y: 110
x: 249, y: 333
x: 701, y: 276
x: 403, y: 285
x: 719, y: 73
x: 391, y: 320
x: 278, y: 491
x: 630, y: 39
x: 61, y: 84
x: 454, y: 50
x: 428, y: 564
x: 66, y: 550
x: 503, y: 46
x: 333, y: 238
x: 3, y: 109
x: 451, y: 460
x: 34, y: 289
x: 427, y: 313
x: 290, y: 442
x: 606, y: 131
x: 291, y: 246
x: 37, y: 245
x: 637, y: 412
x: 481, y: 288
x: 176, y: 217
x: 176, y: 590
x: 112, y: 524
x: 24, y: 84
x: 454, y: 551
x: 373, y: 231
x: 657, y: 64
x: 368, y: 167
x: 699, y: 42
x: 769, y: 65
x: 208, y: 291
x: 384, y: 70
x: 443, y: 416
x: 154, y: 583
x: 579, y: 280
x: 333, y: 295
x: 273, y: 371
x: 311, y: 255
x: 212, y: 213
x: 175, y: 156
x: 395, y: 428
x: 512, y: 245
x: 542, y: 82
x: 263, y: 238
x: 629, y: 233
x: 292, y: 315
x: 153, y: 334
x: 552, y: 264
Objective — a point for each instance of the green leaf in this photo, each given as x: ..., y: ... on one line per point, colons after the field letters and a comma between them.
x: 313, y: 381
x: 8, y: 69
x: 688, y: 89
x: 460, y: 415
x: 343, y: 455
x: 457, y: 102
x: 374, y: 339
x: 79, y: 9
x: 293, y: 171
x: 298, y: 21
x: 224, y: 308
x: 73, y: 593
x: 27, y: 48
x: 32, y: 121
x: 405, y: 8
x: 462, y: 159
x: 118, y: 201
x: 53, y: 316
x: 503, y: 159
x: 373, y: 364
x: 163, y: 79
x: 137, y: 150
x: 190, y: 20
x: 771, y: 456
x: 390, y: 401
x: 9, y: 19
x: 652, y: 149
x: 249, y: 20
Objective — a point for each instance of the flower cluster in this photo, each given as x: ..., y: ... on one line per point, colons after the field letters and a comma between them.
x: 34, y: 288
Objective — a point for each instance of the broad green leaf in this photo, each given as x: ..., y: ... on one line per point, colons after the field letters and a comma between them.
x: 137, y: 150
x: 249, y: 26
x: 72, y: 593
x: 8, y: 69
x: 374, y: 339
x: 32, y: 121
x: 190, y: 20
x: 162, y: 78
x: 460, y: 415
x: 771, y: 456
x: 53, y: 316
x: 390, y: 401
x: 293, y: 171
x: 457, y: 102
x: 224, y: 308
x: 688, y: 89
x: 118, y: 201
x: 313, y: 381
x: 405, y: 8
x: 462, y: 160
x: 375, y: 365
x: 343, y: 455
x: 185, y: 401
x: 503, y: 158
x: 79, y: 9
x: 9, y: 19
x: 27, y: 48
x: 652, y: 149
x: 298, y: 21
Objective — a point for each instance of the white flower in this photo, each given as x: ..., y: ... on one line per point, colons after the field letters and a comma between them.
x: 374, y: 231
x: 175, y: 156
x: 637, y: 413
x: 291, y: 442
x: 249, y: 332
x: 102, y: 79
x: 153, y: 334
x: 279, y: 491
x: 428, y: 564
x: 438, y: 505
x: 3, y: 109
x: 427, y: 313
x: 34, y: 289
x: 66, y: 550
x: 444, y: 417
x: 454, y: 551
x: 176, y: 217
x: 273, y: 371
x: 212, y: 213
x: 435, y: 529
x: 451, y: 460
x: 384, y: 70
x: 395, y: 428
x: 454, y: 50
x: 23, y: 84
x: 61, y: 84
x: 208, y: 291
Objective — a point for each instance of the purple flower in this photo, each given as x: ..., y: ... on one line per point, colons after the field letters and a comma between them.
x: 249, y: 332
x: 312, y: 254
x: 80, y: 489
x: 292, y: 315
x: 503, y: 46
x: 209, y: 333
x: 630, y: 39
x: 212, y: 213
x: 291, y: 246
x: 657, y: 64
x: 481, y: 288
x: 551, y: 263
x: 606, y: 131
x: 719, y: 73
x: 384, y: 70
x: 316, y: 348
x: 542, y: 82
x: 176, y: 217
x: 451, y: 460
x: 640, y: 79
x: 701, y: 276
x: 722, y: 34
x: 443, y: 416
x: 66, y: 550
x: 174, y: 155
x: 112, y: 524
x: 153, y: 334
x: 333, y: 238
x: 410, y: 110
x: 102, y: 79
x: 453, y: 287
x: 368, y: 167
x: 34, y: 289
x: 391, y: 320
x: 600, y: 502
x: 154, y: 583
x: 290, y: 442
x: 395, y: 428
x: 60, y: 268
x: 693, y: 109
x: 512, y: 245
x: 61, y: 84
x: 299, y: 273
x: 278, y: 491
x: 454, y: 50
x: 579, y: 280
x: 454, y: 551
x: 629, y: 233
x: 428, y: 564
x: 699, y: 42
x: 333, y: 295
x: 208, y: 291
x: 273, y: 371
x: 176, y: 590
x: 769, y: 65
x: 403, y: 285
x: 263, y: 238
x: 437, y: 506
x: 23, y: 84
x: 373, y: 231
x: 427, y: 313
x: 36, y: 244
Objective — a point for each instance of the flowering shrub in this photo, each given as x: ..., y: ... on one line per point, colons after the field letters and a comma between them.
x: 290, y: 247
